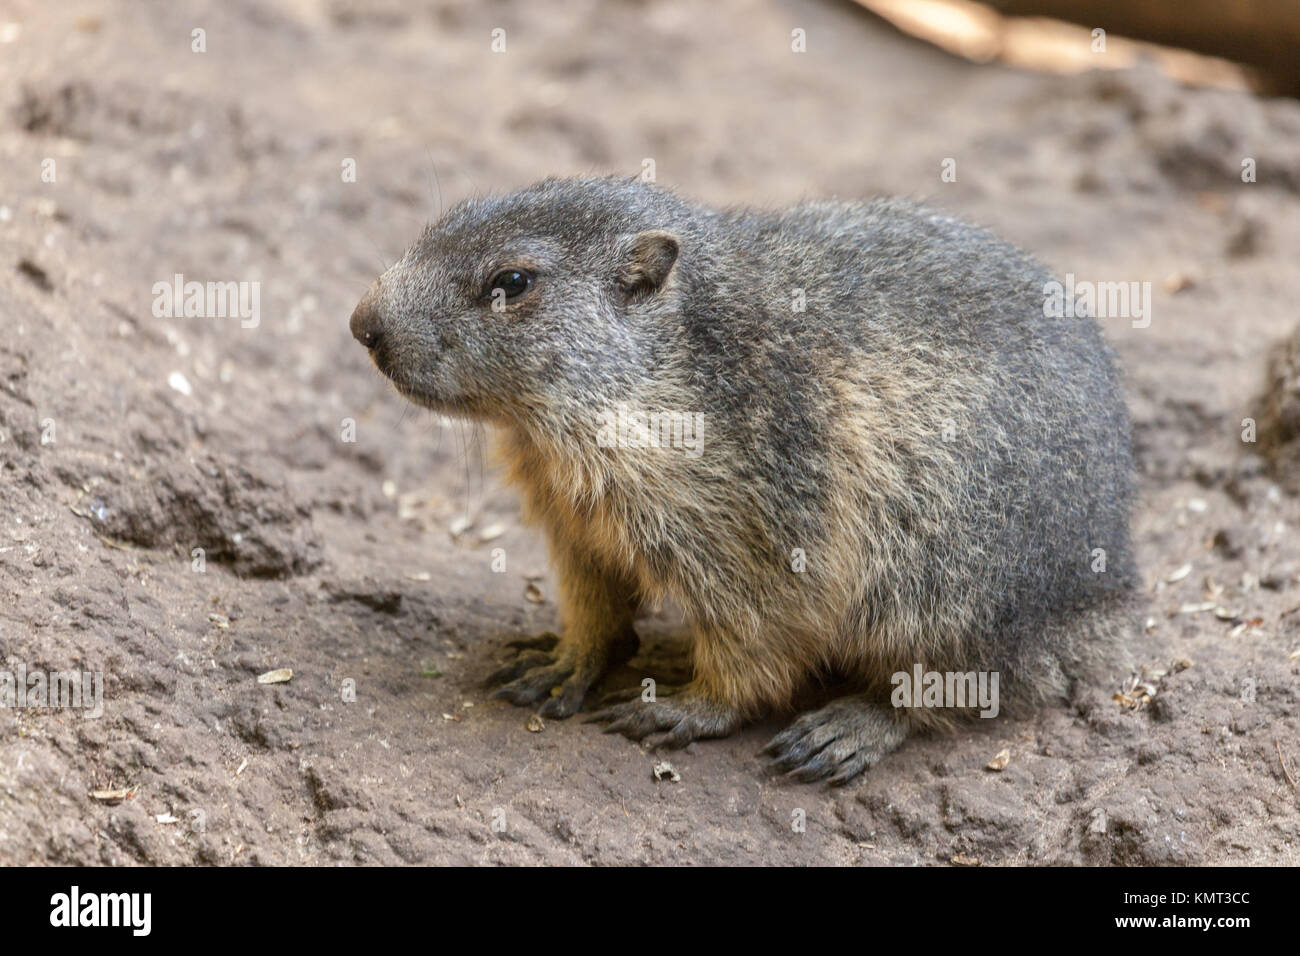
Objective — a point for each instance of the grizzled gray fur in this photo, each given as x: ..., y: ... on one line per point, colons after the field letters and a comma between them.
x: 903, y: 461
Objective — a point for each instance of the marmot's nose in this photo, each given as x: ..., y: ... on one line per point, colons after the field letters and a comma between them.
x: 365, y: 324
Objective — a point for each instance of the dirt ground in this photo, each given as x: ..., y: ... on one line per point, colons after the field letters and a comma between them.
x: 129, y: 440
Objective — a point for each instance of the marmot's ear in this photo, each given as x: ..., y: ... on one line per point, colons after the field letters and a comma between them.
x: 647, y: 261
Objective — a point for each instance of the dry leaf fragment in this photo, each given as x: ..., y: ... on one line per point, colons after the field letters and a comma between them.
x: 1097, y: 822
x: 1000, y: 761
x: 112, y: 796
x: 1140, y: 689
x: 665, y: 769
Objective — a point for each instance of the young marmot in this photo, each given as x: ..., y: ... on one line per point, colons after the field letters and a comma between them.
x: 904, y: 465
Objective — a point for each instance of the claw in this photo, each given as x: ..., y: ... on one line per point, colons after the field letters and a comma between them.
x: 629, y: 727
x: 839, y: 741
x: 565, y: 700
x: 675, y: 739
x: 534, y: 685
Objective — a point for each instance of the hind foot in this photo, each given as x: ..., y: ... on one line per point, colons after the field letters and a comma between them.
x: 839, y: 741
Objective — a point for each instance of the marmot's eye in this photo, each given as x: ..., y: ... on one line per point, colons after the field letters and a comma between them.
x: 512, y: 282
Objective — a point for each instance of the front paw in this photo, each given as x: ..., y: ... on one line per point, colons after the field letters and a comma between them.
x: 547, y: 667
x: 672, y: 721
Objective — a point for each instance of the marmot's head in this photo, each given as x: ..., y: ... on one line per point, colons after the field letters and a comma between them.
x: 552, y: 300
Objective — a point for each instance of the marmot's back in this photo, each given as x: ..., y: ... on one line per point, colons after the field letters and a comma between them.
x: 994, y: 480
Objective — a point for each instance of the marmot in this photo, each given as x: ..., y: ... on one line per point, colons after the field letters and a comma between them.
x: 904, y: 465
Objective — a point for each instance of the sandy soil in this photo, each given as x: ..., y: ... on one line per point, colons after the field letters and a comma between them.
x: 127, y: 440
